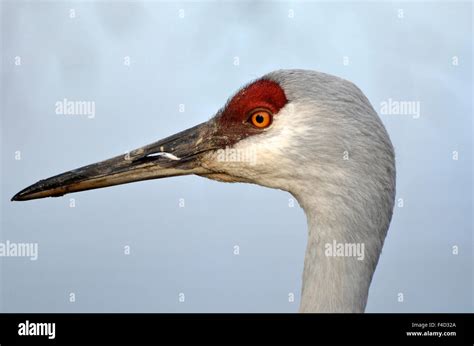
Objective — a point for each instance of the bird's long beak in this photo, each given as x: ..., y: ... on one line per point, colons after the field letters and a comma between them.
x: 176, y: 155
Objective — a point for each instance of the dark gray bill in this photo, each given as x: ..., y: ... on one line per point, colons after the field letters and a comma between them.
x: 175, y: 155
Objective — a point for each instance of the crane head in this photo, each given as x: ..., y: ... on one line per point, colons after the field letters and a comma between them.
x: 278, y: 131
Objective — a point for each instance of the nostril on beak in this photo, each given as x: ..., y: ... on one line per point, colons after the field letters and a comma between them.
x: 166, y: 155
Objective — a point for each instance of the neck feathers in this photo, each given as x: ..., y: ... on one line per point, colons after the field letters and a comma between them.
x: 340, y: 166
x: 347, y: 225
x: 339, y: 264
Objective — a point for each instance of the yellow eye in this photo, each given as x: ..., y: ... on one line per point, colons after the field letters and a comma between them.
x: 261, y: 119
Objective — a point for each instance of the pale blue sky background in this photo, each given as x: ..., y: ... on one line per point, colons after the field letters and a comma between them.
x: 190, y: 61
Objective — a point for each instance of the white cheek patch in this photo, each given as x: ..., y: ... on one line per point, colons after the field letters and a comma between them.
x: 272, y: 152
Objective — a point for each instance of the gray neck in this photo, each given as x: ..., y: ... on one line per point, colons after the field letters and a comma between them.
x: 337, y: 160
x: 343, y: 249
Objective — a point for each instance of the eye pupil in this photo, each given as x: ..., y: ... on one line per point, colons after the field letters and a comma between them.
x: 259, y: 118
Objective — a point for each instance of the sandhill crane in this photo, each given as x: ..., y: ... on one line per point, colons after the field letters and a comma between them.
x: 311, y: 134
